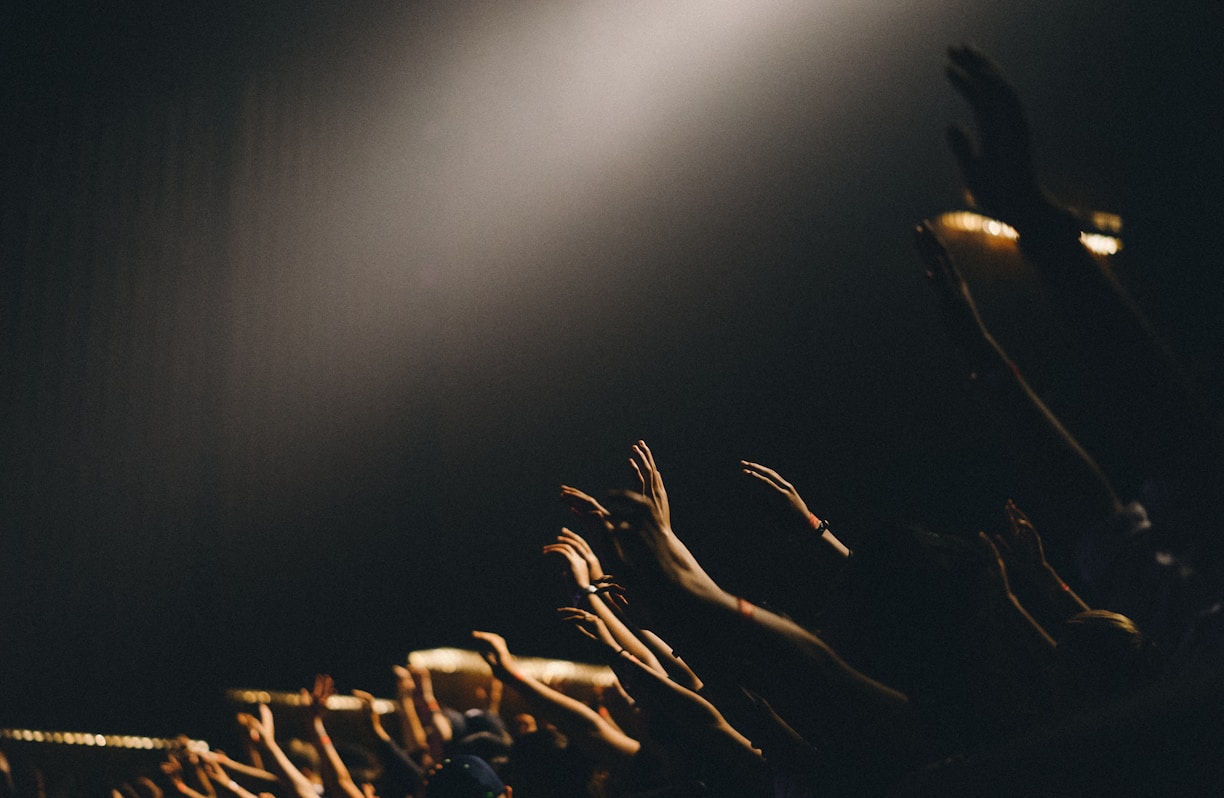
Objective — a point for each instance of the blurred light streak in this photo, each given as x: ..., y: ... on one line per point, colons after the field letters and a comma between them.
x: 1097, y: 243
x: 90, y: 740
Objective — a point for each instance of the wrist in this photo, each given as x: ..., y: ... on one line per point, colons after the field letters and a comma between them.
x: 1050, y: 578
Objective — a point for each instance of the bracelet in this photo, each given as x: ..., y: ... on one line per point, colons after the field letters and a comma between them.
x: 817, y: 524
x: 746, y: 608
x: 583, y: 592
x: 432, y: 706
x: 324, y: 739
x: 630, y: 653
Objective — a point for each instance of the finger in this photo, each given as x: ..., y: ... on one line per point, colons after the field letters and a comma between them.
x: 581, y: 502
x: 766, y: 471
x: 638, y: 472
x: 648, y: 455
x: 577, y: 541
x: 265, y: 718
x: 762, y: 477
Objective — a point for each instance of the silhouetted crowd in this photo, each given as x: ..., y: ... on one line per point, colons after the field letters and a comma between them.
x: 931, y: 663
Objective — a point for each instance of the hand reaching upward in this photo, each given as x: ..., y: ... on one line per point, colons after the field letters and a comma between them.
x: 998, y: 164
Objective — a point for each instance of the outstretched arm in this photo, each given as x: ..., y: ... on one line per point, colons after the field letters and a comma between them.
x: 1052, y: 452
x: 335, y: 774
x: 694, y: 718
x: 1136, y: 373
x: 596, y: 737
x: 584, y: 568
x: 288, y: 774
x: 832, y: 704
x: 399, y: 769
x: 794, y: 505
x: 1024, y: 556
x: 412, y: 732
x: 439, y: 733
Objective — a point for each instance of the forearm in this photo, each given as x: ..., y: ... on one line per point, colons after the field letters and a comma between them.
x: 439, y: 732
x: 624, y: 636
x: 699, y: 729
x: 597, y: 738
x: 1059, y: 597
x: 1132, y: 368
x: 412, y: 731
x: 827, y: 701
x: 286, y: 772
x: 1049, y: 452
x: 676, y: 668
x: 255, y: 774
x: 336, y: 778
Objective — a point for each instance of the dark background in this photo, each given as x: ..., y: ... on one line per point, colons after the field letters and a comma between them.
x: 309, y: 308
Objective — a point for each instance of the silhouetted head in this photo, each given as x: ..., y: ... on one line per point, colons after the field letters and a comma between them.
x: 464, y: 777
x: 1102, y: 656
x: 542, y: 765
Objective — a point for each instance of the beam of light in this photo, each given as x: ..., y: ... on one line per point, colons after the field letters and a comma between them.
x: 446, y: 194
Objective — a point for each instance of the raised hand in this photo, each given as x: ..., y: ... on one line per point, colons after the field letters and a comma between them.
x: 594, y: 568
x: 1022, y: 550
x: 645, y: 542
x: 649, y: 478
x: 404, y: 684
x: 996, y: 569
x: 173, y: 769
x: 424, y: 682
x: 265, y: 725
x: 998, y: 165
x: 792, y: 503
x: 577, y: 564
x: 590, y: 625
x: 1022, y: 547
x: 371, y: 714
x: 497, y: 654
x: 782, y: 491
x: 583, y: 503
x: 316, y: 698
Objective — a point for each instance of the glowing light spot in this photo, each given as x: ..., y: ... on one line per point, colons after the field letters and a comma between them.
x: 1097, y: 243
x: 1101, y: 244
x: 1109, y: 223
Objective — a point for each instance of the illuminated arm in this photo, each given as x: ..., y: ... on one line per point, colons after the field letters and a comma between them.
x: 584, y: 727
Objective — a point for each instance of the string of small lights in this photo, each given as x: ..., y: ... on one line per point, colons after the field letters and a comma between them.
x: 124, y: 741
